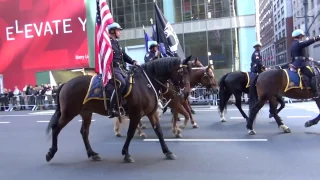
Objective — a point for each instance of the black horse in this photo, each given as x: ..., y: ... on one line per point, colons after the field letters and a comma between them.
x: 141, y: 98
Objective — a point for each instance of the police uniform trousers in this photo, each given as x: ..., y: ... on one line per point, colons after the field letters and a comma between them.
x: 299, y: 63
x: 120, y: 79
x: 257, y: 68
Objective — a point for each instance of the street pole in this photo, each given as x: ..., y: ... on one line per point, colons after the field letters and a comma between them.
x: 305, y: 4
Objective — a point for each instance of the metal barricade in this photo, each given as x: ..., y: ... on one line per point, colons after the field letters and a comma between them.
x: 202, y: 96
x: 31, y: 102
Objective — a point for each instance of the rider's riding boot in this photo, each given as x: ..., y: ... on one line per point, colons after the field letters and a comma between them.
x: 314, y: 87
x: 113, y: 109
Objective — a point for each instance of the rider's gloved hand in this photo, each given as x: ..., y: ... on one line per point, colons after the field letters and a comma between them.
x: 317, y: 38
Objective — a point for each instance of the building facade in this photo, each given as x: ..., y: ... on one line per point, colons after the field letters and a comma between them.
x: 313, y: 22
x: 283, y: 27
x: 218, y: 30
x: 267, y: 32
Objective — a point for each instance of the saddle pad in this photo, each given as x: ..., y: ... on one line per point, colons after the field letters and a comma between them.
x: 294, y: 80
x: 95, y: 90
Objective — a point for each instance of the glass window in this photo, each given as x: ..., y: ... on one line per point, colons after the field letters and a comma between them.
x: 134, y: 13
x: 283, y: 33
x: 196, y: 45
x: 221, y: 46
x: 216, y: 8
x: 282, y: 10
x: 282, y: 21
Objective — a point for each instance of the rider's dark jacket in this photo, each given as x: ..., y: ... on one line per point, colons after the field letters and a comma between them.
x: 298, y: 53
x: 256, y: 58
x: 120, y: 57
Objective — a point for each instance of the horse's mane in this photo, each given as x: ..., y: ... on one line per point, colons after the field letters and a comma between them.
x: 161, y: 67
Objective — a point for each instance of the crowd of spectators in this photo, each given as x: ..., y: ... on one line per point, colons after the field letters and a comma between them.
x: 28, y: 97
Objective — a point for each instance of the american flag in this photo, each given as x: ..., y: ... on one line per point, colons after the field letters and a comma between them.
x: 103, y: 47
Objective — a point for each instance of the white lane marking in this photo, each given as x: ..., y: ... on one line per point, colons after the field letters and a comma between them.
x: 208, y: 140
x: 91, y: 120
x: 2, y: 122
x: 298, y: 116
x: 18, y: 115
x: 43, y: 121
x: 236, y: 118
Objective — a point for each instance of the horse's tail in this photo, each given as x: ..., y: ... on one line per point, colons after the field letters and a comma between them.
x: 55, y: 117
x: 253, y: 95
x: 222, y: 93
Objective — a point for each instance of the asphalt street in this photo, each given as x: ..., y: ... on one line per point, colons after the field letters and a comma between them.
x: 215, y: 150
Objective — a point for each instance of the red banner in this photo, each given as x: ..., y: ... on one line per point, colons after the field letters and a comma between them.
x: 38, y: 35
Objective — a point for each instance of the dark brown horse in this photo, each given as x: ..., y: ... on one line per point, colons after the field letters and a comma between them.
x: 272, y: 85
x: 237, y: 83
x: 199, y: 74
x: 141, y: 101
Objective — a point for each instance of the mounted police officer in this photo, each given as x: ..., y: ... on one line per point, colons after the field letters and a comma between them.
x: 256, y: 64
x: 299, y: 57
x: 118, y: 63
x: 153, y: 53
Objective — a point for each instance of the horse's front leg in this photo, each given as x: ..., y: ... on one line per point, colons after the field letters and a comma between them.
x: 187, y: 107
x: 116, y: 127
x: 154, y: 120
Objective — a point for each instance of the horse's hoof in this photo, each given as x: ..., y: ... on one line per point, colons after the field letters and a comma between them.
x: 48, y: 157
x: 223, y: 120
x: 308, y: 124
x: 195, y: 125
x: 171, y: 156
x: 95, y: 158
x: 118, y: 135
x: 270, y: 115
x: 287, y: 130
x: 178, y: 136
x: 143, y: 127
x: 128, y: 159
x: 251, y: 132
x: 182, y: 126
x: 143, y: 135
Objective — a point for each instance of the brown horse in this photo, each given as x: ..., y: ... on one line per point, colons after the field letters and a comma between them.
x: 117, y: 124
x: 272, y: 85
x: 199, y: 74
x: 141, y: 100
x: 237, y: 83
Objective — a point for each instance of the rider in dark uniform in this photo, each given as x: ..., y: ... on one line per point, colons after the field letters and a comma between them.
x: 256, y: 64
x: 153, y: 53
x: 299, y: 57
x: 118, y: 63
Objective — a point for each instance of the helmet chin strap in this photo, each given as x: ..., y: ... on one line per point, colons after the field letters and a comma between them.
x: 114, y: 33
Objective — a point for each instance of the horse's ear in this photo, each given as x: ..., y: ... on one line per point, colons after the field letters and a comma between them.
x: 185, y: 62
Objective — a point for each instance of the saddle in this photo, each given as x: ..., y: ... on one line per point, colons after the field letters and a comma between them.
x: 96, y: 90
x: 305, y: 80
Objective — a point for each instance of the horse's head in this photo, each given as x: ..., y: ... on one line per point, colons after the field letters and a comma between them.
x: 171, y: 68
x: 208, y: 80
x: 181, y: 76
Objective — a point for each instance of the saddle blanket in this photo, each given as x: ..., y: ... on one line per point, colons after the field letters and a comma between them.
x: 250, y: 76
x: 294, y: 80
x: 95, y: 89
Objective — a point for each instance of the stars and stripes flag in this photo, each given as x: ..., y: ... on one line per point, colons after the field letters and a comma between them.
x: 103, y: 47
